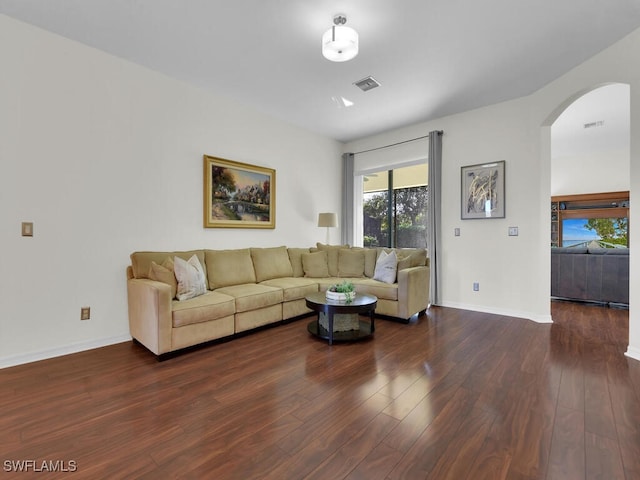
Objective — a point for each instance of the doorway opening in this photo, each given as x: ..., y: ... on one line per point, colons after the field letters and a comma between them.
x: 589, y: 204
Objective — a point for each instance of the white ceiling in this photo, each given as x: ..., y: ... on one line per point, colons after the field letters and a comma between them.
x: 432, y: 57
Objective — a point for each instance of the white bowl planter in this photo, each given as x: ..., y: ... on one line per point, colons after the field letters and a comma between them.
x: 341, y: 297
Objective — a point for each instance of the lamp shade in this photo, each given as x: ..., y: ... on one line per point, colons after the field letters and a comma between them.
x: 327, y: 219
x: 340, y: 43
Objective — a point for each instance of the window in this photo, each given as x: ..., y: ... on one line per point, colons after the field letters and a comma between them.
x: 394, y: 207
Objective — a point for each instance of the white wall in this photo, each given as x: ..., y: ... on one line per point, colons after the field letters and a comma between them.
x: 514, y: 272
x: 479, y: 136
x: 105, y: 158
x: 590, y: 173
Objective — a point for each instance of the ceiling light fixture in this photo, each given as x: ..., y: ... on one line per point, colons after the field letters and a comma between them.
x: 340, y: 43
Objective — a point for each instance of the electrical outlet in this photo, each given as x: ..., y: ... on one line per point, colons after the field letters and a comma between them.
x: 476, y: 287
x: 85, y: 313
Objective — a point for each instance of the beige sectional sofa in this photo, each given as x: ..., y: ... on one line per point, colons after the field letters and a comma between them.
x: 253, y: 287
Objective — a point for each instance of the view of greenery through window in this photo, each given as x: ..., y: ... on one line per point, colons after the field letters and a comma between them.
x: 397, y: 216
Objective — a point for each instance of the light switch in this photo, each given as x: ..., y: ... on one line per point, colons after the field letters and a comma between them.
x: 513, y: 231
x: 456, y: 232
x: 27, y: 229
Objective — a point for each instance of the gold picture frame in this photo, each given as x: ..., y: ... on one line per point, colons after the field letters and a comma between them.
x: 238, y: 195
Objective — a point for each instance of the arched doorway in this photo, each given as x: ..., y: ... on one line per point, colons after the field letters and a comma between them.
x: 589, y: 157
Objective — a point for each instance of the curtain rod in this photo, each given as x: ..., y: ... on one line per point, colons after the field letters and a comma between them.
x: 395, y: 144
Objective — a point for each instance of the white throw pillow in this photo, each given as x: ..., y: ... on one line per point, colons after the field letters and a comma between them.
x: 386, y: 267
x: 190, y: 276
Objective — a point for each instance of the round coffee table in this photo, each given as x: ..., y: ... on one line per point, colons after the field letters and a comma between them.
x: 362, y: 304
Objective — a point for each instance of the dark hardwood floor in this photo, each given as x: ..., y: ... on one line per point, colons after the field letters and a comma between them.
x: 452, y: 395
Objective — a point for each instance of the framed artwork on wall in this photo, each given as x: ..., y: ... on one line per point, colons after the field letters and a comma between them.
x: 482, y: 189
x: 238, y: 195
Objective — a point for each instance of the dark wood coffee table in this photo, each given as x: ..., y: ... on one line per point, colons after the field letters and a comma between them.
x: 362, y: 304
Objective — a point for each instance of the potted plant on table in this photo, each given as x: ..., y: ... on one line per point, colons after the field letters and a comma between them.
x: 342, y: 292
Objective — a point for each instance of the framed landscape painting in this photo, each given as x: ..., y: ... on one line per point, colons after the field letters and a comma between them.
x: 483, y: 191
x: 238, y: 195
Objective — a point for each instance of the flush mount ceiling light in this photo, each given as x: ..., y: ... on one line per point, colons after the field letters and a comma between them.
x: 340, y: 43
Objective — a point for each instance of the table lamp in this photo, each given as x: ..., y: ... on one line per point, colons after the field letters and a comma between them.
x: 327, y: 220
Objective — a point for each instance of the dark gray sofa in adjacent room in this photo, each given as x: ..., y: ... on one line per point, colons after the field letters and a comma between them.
x: 590, y: 274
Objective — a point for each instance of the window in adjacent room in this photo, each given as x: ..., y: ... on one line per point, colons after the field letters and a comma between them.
x: 600, y: 219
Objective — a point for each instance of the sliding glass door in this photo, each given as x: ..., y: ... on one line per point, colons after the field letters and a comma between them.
x: 394, y: 207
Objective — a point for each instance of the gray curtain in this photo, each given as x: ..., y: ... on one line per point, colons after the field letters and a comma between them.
x: 434, y: 234
x: 346, y: 220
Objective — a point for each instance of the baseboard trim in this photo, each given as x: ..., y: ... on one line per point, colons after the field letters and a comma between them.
x: 499, y: 311
x: 21, y: 359
x: 633, y: 352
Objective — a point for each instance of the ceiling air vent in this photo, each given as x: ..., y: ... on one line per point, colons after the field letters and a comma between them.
x: 367, y: 84
x: 599, y: 123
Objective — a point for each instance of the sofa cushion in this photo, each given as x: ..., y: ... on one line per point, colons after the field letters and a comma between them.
x: 271, y: 263
x: 295, y: 256
x: 325, y: 282
x: 350, y: 262
x: 190, y: 276
x: 608, y: 251
x: 315, y: 264
x: 411, y: 258
x: 252, y: 296
x: 386, y: 267
x: 332, y: 256
x: 570, y: 250
x: 164, y: 273
x: 386, y: 291
x: 293, y: 288
x: 210, y: 306
x: 229, y: 267
x: 141, y: 261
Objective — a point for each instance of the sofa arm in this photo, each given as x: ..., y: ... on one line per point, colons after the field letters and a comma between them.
x: 413, y: 291
x: 150, y: 318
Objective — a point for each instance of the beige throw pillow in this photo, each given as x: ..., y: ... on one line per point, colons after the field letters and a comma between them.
x: 295, y: 256
x: 332, y: 256
x: 164, y: 273
x: 350, y: 263
x: 190, y: 276
x: 370, y: 256
x: 386, y: 267
x: 315, y: 265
